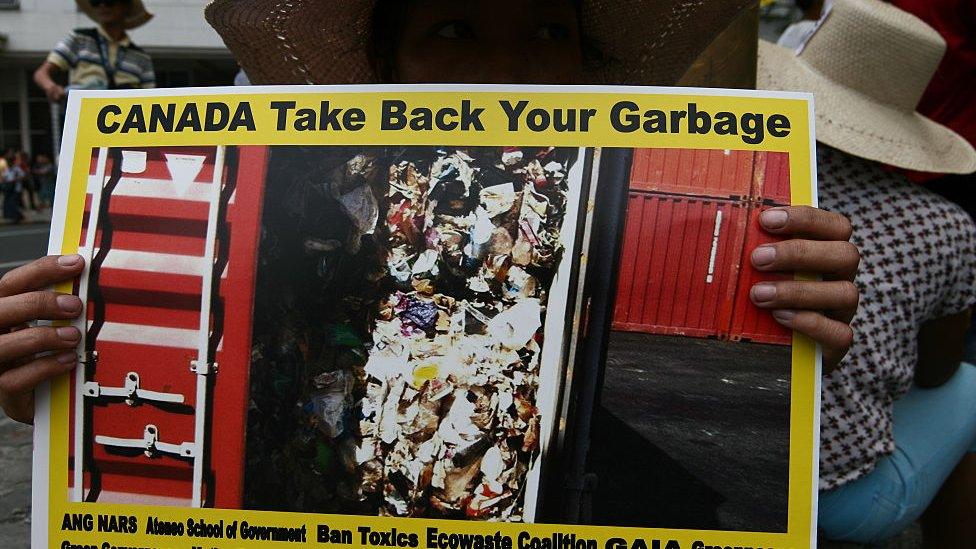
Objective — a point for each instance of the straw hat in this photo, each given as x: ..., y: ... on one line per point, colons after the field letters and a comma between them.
x: 137, y: 16
x: 867, y: 65
x: 324, y: 41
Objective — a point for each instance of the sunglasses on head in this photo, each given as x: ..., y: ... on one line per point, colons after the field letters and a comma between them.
x: 106, y: 3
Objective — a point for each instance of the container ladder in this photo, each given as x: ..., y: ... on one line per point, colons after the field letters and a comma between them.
x: 130, y: 389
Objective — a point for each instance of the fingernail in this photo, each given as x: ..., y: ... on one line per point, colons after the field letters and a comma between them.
x: 69, y: 303
x: 67, y: 358
x: 69, y: 260
x: 68, y: 334
x: 763, y: 255
x: 784, y: 317
x: 763, y: 292
x: 774, y: 219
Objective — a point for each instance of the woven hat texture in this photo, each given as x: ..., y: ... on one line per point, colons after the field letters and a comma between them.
x: 867, y: 66
x: 325, y: 41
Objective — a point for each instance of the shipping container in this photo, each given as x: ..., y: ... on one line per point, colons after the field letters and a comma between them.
x: 750, y: 323
x: 679, y: 264
x: 168, y: 325
x: 696, y: 172
x: 772, y: 178
x: 657, y: 243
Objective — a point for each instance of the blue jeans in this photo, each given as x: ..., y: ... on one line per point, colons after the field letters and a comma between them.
x: 933, y: 429
x: 971, y: 343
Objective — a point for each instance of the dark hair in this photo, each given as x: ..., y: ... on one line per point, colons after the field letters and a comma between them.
x: 387, y: 33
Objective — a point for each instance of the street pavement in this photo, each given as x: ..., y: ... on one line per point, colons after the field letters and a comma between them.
x: 15, y: 483
x: 22, y: 243
x: 693, y: 433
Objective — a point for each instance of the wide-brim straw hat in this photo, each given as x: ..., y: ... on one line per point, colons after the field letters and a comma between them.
x: 868, y: 64
x: 138, y: 14
x: 645, y: 43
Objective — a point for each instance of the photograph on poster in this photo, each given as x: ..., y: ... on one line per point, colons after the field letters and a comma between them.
x: 400, y: 300
x: 695, y: 417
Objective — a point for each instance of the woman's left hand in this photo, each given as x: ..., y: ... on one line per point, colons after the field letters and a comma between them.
x: 818, y: 243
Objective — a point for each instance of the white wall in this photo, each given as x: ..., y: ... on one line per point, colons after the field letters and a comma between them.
x: 178, y: 25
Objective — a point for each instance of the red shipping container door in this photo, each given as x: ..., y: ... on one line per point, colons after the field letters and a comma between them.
x: 169, y: 295
x: 772, y: 178
x: 697, y: 172
x: 772, y: 188
x: 750, y: 323
x: 679, y: 263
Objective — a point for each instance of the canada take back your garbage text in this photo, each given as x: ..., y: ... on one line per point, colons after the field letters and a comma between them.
x: 398, y: 115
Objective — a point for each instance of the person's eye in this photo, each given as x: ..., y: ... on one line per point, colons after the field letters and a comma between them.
x: 552, y: 31
x: 454, y: 30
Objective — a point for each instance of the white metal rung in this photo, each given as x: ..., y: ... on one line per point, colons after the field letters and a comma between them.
x: 131, y: 392
x: 150, y: 444
x: 141, y: 187
x: 139, y: 334
x: 155, y: 262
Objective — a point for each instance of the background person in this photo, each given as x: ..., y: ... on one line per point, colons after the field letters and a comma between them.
x: 898, y: 422
x: 45, y: 177
x: 28, y: 184
x: 11, y: 186
x: 100, y: 58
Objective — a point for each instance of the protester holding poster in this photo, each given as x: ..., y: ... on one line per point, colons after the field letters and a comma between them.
x: 822, y: 234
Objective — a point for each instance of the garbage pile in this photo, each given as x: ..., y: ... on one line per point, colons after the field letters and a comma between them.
x: 449, y: 424
x: 440, y: 418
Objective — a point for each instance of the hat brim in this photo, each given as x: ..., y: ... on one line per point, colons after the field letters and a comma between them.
x: 860, y: 125
x: 138, y: 14
x: 325, y: 41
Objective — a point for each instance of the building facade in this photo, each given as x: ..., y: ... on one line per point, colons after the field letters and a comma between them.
x: 185, y: 52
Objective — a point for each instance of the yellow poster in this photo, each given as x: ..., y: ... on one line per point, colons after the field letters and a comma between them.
x: 438, y: 317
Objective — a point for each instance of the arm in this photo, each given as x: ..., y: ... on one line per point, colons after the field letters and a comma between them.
x: 64, y: 56
x: 941, y: 345
x: 44, y: 78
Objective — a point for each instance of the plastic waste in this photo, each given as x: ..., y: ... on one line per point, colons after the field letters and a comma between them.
x: 435, y: 415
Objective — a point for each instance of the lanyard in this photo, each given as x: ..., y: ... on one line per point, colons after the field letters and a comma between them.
x: 103, y: 53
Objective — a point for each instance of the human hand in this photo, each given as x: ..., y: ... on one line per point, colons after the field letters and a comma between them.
x: 23, y: 299
x: 818, y: 243
x: 54, y: 92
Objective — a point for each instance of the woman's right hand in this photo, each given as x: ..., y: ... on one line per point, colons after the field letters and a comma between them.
x: 24, y: 299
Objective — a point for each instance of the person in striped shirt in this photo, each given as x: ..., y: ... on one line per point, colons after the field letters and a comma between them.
x: 100, y: 58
